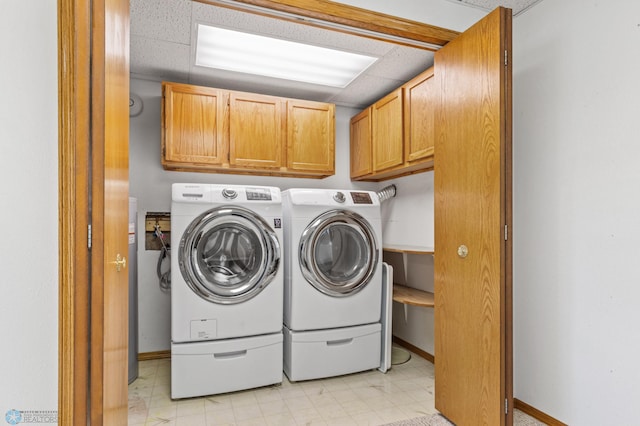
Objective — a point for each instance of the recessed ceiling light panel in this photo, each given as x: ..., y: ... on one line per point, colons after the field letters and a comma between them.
x: 254, y: 54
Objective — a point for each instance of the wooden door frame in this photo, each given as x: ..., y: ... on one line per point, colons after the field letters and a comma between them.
x: 74, y: 104
x: 75, y: 156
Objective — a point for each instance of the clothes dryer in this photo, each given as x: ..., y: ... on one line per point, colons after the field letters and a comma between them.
x: 333, y: 281
x: 227, y: 288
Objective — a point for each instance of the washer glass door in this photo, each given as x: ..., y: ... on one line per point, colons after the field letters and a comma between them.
x: 229, y: 255
x: 338, y: 253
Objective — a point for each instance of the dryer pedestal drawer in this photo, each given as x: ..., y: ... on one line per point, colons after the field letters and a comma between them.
x: 207, y: 368
x: 333, y: 352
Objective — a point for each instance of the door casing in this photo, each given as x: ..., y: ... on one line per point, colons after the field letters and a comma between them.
x: 74, y: 159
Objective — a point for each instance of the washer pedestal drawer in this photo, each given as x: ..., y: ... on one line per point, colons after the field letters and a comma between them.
x: 332, y: 352
x: 219, y: 366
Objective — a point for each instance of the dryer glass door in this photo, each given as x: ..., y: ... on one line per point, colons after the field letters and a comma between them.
x: 229, y: 255
x: 338, y: 253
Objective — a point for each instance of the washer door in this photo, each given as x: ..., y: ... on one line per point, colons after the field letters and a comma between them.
x: 338, y: 253
x: 228, y: 255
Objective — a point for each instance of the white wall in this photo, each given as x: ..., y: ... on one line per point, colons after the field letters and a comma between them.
x: 151, y: 185
x: 408, y: 220
x: 577, y: 210
x: 29, y: 194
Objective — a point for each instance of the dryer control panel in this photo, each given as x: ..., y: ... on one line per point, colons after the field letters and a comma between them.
x: 361, y: 198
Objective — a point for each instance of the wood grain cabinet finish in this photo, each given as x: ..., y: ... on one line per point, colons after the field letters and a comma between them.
x: 193, y: 126
x: 420, y: 97
x: 360, y: 152
x: 311, y: 137
x: 386, y: 132
x: 220, y: 131
x: 401, y: 132
x: 255, y: 131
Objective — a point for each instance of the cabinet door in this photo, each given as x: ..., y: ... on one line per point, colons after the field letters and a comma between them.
x: 360, y: 152
x: 472, y: 203
x: 419, y: 109
x: 194, y: 125
x: 386, y: 133
x: 311, y: 137
x: 256, y: 131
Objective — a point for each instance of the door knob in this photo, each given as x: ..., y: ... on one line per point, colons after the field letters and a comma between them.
x: 120, y: 262
x: 463, y: 251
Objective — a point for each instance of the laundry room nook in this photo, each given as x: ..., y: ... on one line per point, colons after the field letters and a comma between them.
x: 406, y: 219
x: 309, y: 357
x: 299, y: 231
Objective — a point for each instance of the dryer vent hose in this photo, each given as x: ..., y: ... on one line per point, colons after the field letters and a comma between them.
x: 387, y: 192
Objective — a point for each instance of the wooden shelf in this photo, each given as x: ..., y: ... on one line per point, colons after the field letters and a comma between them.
x: 408, y: 249
x: 412, y: 296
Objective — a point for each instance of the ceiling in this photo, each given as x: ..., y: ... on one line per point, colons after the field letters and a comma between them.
x: 163, y: 48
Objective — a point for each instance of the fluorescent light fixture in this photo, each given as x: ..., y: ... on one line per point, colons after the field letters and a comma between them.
x: 253, y: 54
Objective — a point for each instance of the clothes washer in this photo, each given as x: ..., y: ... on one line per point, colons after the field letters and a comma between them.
x: 333, y: 282
x: 226, y: 288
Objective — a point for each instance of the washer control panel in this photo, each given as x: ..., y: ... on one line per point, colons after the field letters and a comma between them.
x: 258, y: 194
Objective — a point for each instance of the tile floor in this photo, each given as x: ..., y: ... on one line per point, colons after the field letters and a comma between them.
x: 367, y: 398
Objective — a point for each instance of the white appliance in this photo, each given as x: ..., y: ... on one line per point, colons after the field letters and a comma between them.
x: 333, y: 282
x: 226, y: 288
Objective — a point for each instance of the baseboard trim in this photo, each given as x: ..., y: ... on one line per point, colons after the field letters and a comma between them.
x: 536, y: 414
x: 414, y: 349
x: 518, y: 404
x: 146, y: 356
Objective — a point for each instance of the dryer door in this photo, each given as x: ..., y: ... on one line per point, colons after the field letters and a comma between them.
x: 228, y: 255
x: 338, y: 253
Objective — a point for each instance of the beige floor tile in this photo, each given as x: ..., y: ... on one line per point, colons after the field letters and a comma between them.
x: 299, y: 403
x: 307, y: 415
x: 217, y: 403
x: 247, y: 412
x: 272, y: 408
x: 367, y: 419
x: 283, y: 419
x: 192, y: 420
x: 251, y: 422
x: 355, y: 407
x: 330, y: 413
x: 242, y: 399
x: 161, y: 400
x: 191, y: 407
x: 222, y: 416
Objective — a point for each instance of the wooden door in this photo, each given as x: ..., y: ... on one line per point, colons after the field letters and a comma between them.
x: 473, y: 377
x: 420, y: 97
x: 386, y: 133
x: 311, y: 137
x: 360, y: 150
x: 256, y: 131
x: 110, y: 195
x: 194, y: 125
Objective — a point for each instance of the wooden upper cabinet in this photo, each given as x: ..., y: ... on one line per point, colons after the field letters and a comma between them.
x: 401, y: 140
x: 311, y: 137
x: 360, y: 136
x: 193, y: 125
x: 386, y: 132
x: 420, y: 98
x: 220, y: 131
x: 255, y: 131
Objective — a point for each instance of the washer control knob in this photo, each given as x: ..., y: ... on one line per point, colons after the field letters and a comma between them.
x: 229, y: 194
x: 339, y: 197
